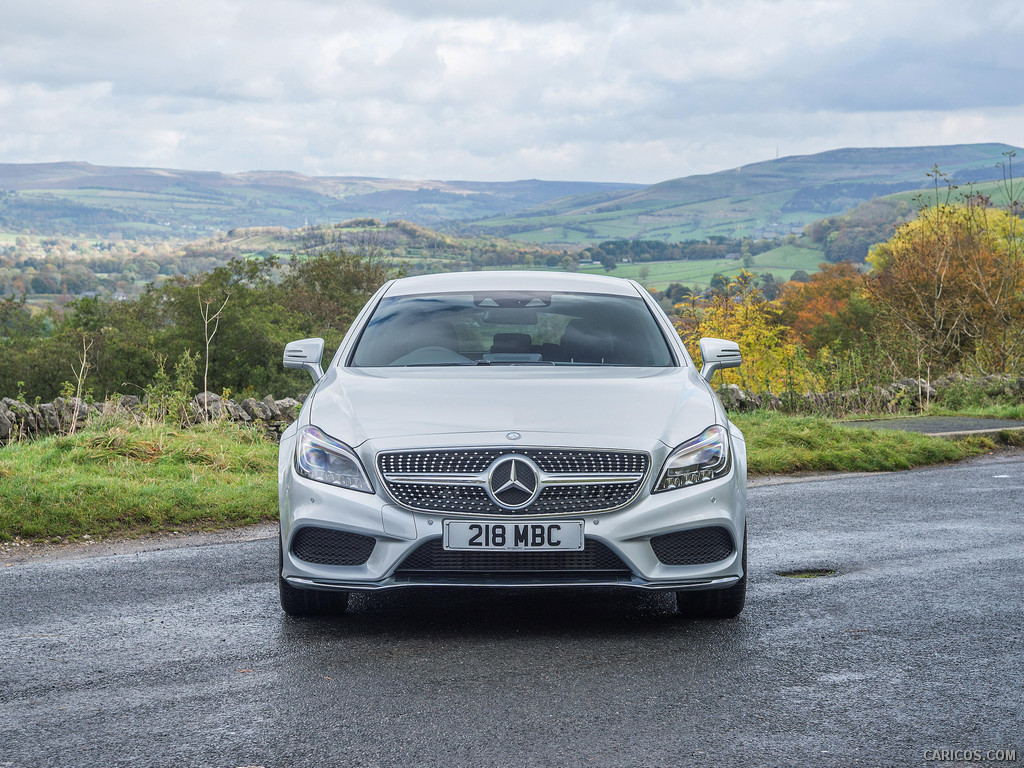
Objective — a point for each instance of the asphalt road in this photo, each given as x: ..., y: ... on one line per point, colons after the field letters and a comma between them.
x: 941, y: 425
x: 182, y: 657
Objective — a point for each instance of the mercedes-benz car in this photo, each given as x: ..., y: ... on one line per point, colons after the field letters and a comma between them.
x: 512, y: 429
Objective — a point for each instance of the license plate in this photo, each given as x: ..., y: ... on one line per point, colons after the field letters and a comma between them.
x: 514, y: 536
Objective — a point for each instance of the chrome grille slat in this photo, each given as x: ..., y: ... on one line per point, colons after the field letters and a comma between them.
x: 454, y: 481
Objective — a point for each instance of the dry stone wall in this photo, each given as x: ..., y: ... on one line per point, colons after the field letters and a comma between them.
x: 900, y: 396
x: 25, y: 421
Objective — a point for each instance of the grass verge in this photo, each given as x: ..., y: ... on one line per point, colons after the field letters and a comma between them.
x: 126, y: 480
x: 1013, y: 438
x: 129, y: 479
x: 780, y: 444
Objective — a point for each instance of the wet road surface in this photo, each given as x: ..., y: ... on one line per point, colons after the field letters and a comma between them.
x: 941, y: 425
x: 182, y: 657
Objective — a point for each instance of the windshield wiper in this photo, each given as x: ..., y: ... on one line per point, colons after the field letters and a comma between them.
x: 515, y: 362
x: 432, y: 365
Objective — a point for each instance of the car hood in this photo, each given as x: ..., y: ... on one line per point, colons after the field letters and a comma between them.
x: 614, y: 407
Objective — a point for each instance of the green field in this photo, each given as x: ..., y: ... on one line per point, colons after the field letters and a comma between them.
x: 787, y: 259
x: 781, y: 262
x: 781, y: 444
x: 999, y: 192
x: 734, y: 217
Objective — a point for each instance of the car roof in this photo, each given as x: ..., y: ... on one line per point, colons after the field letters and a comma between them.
x: 512, y: 280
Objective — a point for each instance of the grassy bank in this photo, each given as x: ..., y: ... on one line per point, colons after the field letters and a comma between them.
x: 780, y: 444
x: 129, y: 480
x: 125, y: 480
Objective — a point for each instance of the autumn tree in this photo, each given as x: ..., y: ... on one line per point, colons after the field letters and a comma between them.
x: 740, y: 312
x: 828, y: 309
x: 951, y: 283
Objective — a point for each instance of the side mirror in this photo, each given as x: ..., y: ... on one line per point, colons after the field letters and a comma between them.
x: 718, y: 353
x: 305, y: 354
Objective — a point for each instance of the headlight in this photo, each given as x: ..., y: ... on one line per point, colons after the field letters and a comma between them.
x: 327, y: 460
x: 703, y: 458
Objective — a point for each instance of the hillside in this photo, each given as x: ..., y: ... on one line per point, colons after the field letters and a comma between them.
x: 79, y: 198
x: 766, y: 199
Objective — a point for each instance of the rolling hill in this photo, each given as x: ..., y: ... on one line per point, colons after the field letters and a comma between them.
x: 766, y: 199
x: 78, y: 198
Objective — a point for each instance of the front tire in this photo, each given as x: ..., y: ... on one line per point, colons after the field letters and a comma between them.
x: 306, y: 603
x: 716, y: 603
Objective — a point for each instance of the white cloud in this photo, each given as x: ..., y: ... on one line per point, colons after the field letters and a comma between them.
x: 479, y: 89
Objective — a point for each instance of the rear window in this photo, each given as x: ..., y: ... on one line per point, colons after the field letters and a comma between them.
x: 511, y: 328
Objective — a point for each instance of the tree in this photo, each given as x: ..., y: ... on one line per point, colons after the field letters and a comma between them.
x: 677, y: 292
x: 952, y: 282
x: 828, y: 308
x: 849, y: 244
x: 211, y: 324
x: 329, y: 287
x: 719, y: 283
x: 771, y: 362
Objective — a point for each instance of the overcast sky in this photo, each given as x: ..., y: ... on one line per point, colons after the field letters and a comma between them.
x: 625, y: 90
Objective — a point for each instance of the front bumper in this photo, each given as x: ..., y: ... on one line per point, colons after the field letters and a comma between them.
x: 398, y: 532
x: 508, y: 583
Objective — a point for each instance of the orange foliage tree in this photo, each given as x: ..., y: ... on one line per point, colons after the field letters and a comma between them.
x: 828, y: 310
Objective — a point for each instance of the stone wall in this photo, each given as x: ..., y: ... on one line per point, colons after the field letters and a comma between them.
x: 24, y: 421
x: 900, y: 396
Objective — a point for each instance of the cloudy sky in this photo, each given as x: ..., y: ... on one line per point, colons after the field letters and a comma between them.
x: 623, y: 90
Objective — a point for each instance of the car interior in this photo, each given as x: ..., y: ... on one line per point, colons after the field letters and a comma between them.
x: 573, y: 333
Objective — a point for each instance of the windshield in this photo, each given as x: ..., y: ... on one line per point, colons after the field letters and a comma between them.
x: 511, y: 328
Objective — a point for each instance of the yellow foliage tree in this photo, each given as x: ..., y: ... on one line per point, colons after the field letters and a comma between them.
x: 771, y: 362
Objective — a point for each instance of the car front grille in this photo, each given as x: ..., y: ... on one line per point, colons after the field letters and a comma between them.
x: 326, y: 546
x: 696, y: 546
x: 572, y: 481
x: 478, y: 459
x: 595, y: 558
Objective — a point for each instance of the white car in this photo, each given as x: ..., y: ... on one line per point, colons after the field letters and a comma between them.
x: 512, y: 429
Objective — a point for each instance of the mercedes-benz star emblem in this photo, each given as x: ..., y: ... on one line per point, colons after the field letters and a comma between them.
x: 513, y: 482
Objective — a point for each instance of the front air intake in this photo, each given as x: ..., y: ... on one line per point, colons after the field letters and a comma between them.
x: 696, y: 546
x: 326, y: 546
